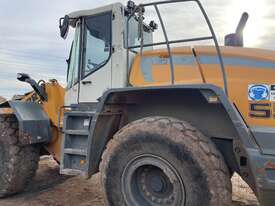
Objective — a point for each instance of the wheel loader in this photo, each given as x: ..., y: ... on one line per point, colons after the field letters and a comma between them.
x: 164, y: 122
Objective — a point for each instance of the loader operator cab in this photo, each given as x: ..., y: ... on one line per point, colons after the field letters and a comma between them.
x: 108, y: 39
x: 95, y: 62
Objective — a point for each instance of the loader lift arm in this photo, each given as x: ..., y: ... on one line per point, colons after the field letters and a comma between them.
x: 37, y: 88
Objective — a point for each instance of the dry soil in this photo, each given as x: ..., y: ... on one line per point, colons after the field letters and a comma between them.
x: 51, y: 189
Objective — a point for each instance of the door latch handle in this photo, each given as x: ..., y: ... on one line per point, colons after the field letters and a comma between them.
x: 86, y: 82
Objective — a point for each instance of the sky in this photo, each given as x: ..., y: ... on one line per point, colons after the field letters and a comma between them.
x: 30, y: 41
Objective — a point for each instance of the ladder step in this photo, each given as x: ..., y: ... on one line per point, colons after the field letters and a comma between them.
x: 80, y: 113
x: 82, y: 152
x: 77, y: 132
x: 73, y: 172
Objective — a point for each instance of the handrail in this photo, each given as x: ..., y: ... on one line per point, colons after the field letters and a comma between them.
x: 167, y: 42
x: 168, y: 46
x: 173, y: 42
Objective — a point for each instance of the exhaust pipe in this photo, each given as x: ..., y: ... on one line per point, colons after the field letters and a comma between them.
x: 236, y: 39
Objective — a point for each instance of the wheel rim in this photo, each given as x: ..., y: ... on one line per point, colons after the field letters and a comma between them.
x: 149, y: 180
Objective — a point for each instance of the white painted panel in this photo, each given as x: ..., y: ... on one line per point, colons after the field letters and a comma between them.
x: 71, y: 95
x: 100, y: 82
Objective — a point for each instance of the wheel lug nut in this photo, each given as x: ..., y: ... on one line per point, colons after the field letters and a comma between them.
x: 159, y: 201
x: 167, y: 201
x: 143, y: 187
x: 171, y: 198
x: 142, y: 180
x: 153, y: 198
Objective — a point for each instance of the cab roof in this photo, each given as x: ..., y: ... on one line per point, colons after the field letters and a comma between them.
x: 89, y: 12
x: 74, y: 16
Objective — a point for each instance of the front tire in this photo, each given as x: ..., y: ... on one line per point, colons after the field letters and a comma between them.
x: 18, y: 163
x: 163, y: 161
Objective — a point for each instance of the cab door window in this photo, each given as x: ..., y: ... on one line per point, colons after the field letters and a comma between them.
x: 97, y: 42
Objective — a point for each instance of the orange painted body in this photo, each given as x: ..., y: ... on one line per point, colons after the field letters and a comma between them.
x: 244, y: 67
x: 192, y: 66
x: 53, y: 108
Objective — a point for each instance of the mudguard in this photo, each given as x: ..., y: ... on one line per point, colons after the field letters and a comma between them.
x: 34, y: 124
x: 256, y: 168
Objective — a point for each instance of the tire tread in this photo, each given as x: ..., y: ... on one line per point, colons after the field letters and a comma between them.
x: 211, y: 158
x: 23, y: 162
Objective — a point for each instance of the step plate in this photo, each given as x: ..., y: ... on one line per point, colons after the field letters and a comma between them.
x: 75, y: 142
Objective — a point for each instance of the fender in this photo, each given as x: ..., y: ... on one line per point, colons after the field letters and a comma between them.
x: 251, y: 162
x: 34, y: 124
x: 243, y: 141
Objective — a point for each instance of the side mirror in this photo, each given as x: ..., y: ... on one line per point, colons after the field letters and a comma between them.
x: 23, y: 77
x: 153, y: 25
x: 64, y: 24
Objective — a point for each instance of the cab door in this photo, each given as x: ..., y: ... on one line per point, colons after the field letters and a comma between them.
x: 96, y: 62
x: 72, y: 89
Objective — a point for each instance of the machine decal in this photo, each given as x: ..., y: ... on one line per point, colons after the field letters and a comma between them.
x: 272, y: 93
x: 258, y: 92
x: 258, y: 110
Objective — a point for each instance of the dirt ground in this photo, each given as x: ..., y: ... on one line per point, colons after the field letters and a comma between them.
x: 51, y: 189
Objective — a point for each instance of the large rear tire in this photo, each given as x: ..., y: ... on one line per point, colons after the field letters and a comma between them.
x: 164, y: 161
x: 18, y: 163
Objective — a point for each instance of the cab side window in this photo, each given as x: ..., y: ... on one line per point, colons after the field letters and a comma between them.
x: 73, y: 61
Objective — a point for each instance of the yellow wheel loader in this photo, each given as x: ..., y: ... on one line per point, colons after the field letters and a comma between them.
x: 164, y: 124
